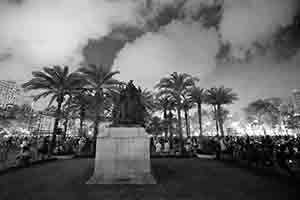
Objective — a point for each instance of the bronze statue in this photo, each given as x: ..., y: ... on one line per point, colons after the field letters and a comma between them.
x: 129, y: 109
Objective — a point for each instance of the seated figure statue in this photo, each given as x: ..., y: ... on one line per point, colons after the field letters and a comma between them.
x: 129, y: 110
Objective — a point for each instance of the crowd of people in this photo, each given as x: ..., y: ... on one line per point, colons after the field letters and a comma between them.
x: 22, y: 150
x: 282, y: 151
x: 172, y: 146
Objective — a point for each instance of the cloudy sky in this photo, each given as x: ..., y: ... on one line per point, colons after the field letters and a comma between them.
x: 249, y: 45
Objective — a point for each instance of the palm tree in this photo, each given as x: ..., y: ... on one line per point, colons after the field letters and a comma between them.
x: 147, y: 100
x: 56, y: 82
x: 67, y: 113
x: 171, y: 120
x: 166, y: 104
x: 218, y: 97
x: 187, y: 104
x: 162, y: 104
x: 100, y: 81
x: 176, y: 85
x: 198, y: 96
x: 80, y: 102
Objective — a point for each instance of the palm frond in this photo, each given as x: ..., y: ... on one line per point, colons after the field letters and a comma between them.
x: 42, y: 95
x: 53, y: 98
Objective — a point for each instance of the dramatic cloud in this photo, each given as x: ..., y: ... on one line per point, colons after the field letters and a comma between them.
x: 178, y: 46
x: 245, y: 23
x: 262, y: 77
x: 163, y: 35
x: 35, y: 33
x: 191, y: 8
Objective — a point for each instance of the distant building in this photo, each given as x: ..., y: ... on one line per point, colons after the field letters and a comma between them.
x: 296, y: 101
x: 9, y: 92
x: 24, y: 98
x: 46, y: 123
x: 41, y: 123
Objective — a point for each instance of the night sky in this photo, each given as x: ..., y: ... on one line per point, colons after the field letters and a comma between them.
x: 248, y: 45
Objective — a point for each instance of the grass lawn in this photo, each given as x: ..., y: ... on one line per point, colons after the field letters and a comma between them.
x: 177, y: 179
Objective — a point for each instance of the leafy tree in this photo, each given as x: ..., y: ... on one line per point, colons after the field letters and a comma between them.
x: 262, y: 112
x: 163, y: 104
x: 56, y: 82
x: 218, y: 97
x: 99, y: 80
x: 198, y: 96
x: 155, y: 126
x: 176, y: 85
x: 206, y: 118
x: 81, y: 105
x: 148, y: 100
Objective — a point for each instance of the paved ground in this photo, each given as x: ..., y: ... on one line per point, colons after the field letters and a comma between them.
x: 177, y: 179
x: 11, y: 160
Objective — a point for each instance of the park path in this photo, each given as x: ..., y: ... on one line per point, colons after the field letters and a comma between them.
x: 177, y: 179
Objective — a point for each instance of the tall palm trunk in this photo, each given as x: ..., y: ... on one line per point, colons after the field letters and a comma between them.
x: 166, y: 123
x: 96, y: 126
x: 65, y: 127
x: 180, y: 129
x: 216, y: 119
x: 95, y: 134
x: 82, y: 116
x: 98, y: 112
x: 56, y: 122
x: 219, y: 109
x: 187, y: 125
x: 200, y: 117
x: 98, y: 107
x: 170, y: 128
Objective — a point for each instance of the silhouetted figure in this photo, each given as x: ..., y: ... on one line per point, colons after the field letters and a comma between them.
x: 129, y: 110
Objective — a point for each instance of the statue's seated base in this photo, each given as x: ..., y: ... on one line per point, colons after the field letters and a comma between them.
x: 122, y: 157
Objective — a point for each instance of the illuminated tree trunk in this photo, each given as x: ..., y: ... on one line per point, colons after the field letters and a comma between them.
x: 200, y: 117
x: 216, y: 119
x: 82, y: 116
x: 65, y: 127
x: 187, y: 125
x: 220, y: 119
x: 165, y: 123
x: 180, y: 129
x: 56, y: 122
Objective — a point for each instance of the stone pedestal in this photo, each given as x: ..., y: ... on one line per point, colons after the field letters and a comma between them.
x: 122, y: 157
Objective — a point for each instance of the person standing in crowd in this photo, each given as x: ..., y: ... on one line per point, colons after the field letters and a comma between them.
x: 158, y: 147
x: 152, y: 145
x: 166, y: 146
x: 41, y: 148
x: 45, y: 148
x: 23, y: 158
x: 81, y: 144
x: 187, y: 146
x: 4, y: 149
x: 217, y: 147
x: 282, y: 158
